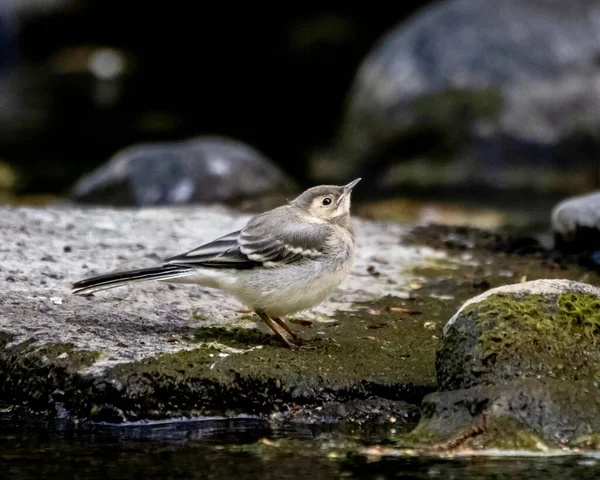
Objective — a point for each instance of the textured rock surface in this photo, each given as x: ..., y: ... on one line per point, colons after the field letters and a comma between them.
x: 517, y: 368
x: 510, y: 89
x: 542, y: 328
x: 530, y: 414
x: 200, y: 170
x: 576, y: 223
x: 155, y: 350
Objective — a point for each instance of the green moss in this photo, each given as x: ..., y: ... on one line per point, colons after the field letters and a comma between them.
x: 533, y: 321
x: 374, y: 351
x: 449, y: 105
x: 506, y: 336
x: 40, y: 378
x: 5, y: 338
x: 496, y: 432
x: 529, y: 414
x: 65, y: 355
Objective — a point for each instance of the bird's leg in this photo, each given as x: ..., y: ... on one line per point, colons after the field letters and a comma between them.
x: 282, y: 333
x: 286, y: 327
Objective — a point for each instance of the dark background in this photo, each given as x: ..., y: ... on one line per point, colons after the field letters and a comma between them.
x: 276, y: 78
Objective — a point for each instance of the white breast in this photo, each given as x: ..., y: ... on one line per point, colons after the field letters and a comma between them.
x: 288, y: 289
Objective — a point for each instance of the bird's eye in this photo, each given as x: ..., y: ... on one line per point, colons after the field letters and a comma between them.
x: 327, y: 201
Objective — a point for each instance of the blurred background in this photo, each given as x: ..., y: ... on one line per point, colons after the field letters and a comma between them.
x: 468, y: 111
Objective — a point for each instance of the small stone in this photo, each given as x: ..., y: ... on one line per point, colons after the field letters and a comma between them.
x: 576, y: 223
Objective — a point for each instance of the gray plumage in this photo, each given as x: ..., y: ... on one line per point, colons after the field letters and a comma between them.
x: 283, y: 261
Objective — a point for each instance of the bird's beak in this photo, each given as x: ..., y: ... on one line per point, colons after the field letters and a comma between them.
x: 347, y: 189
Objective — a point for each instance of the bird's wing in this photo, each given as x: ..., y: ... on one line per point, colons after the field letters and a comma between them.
x: 224, y: 252
x: 266, y: 241
x: 278, y: 240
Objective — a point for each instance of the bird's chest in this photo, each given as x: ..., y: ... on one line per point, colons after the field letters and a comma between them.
x: 301, y: 290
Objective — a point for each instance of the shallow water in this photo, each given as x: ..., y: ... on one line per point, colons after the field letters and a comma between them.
x: 245, y: 448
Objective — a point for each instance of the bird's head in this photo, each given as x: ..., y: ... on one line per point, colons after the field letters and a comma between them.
x: 327, y: 202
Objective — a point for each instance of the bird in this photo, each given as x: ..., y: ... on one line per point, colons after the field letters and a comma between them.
x: 283, y: 261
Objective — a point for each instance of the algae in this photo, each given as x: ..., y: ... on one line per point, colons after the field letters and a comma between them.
x: 506, y: 336
x: 381, y: 351
x: 5, y: 338
x: 66, y: 355
x: 529, y: 414
x: 445, y: 109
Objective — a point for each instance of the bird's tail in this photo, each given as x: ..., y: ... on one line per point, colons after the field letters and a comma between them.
x: 117, y: 279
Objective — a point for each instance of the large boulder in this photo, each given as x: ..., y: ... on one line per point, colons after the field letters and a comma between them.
x: 155, y: 351
x: 541, y: 328
x: 518, y: 368
x: 526, y: 414
x: 509, y: 91
x: 204, y: 169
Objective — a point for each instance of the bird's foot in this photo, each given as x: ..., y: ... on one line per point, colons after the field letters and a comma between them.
x: 281, y: 330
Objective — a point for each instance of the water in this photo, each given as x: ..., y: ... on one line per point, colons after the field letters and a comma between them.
x: 245, y: 448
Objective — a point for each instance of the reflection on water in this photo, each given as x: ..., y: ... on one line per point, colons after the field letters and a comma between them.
x: 243, y: 448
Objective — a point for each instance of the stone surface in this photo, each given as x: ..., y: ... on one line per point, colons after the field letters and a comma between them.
x: 517, y: 369
x: 204, y: 169
x: 576, y: 223
x: 509, y: 91
x: 155, y: 351
x: 526, y: 414
x: 542, y: 328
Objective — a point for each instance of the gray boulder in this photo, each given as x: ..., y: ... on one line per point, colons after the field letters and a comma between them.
x: 541, y: 328
x: 166, y: 351
x: 527, y: 414
x: 517, y: 368
x: 576, y: 223
x: 509, y: 91
x: 205, y: 169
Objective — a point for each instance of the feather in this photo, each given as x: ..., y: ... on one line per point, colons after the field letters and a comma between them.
x: 266, y: 241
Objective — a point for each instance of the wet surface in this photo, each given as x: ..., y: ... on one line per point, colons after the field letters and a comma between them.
x: 247, y: 448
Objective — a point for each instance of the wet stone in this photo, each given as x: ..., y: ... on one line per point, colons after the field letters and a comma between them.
x: 204, y: 169
x: 542, y: 328
x: 158, y: 351
x: 525, y: 414
x: 576, y: 224
x: 517, y: 368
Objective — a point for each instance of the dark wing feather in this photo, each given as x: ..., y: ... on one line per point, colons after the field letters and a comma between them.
x: 268, y: 240
x: 282, y: 239
x: 224, y: 252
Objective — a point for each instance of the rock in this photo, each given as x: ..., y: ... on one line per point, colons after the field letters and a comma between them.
x: 205, y: 169
x: 541, y: 328
x: 157, y: 351
x: 505, y: 94
x: 377, y: 411
x: 576, y: 223
x: 517, y: 369
x: 525, y: 414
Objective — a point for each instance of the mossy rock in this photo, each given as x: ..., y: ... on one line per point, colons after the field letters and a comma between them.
x: 528, y: 414
x: 350, y: 373
x: 543, y: 328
